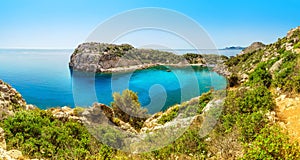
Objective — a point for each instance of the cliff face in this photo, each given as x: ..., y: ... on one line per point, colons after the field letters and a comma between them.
x: 96, y: 57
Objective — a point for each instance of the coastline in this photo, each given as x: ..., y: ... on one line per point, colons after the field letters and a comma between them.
x: 142, y: 67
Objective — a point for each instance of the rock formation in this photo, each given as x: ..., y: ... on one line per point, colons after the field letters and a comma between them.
x: 10, y: 100
x: 101, y: 57
x: 253, y: 47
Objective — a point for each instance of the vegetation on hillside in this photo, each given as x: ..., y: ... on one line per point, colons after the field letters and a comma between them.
x: 245, y: 129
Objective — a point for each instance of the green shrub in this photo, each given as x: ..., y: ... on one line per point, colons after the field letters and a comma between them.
x: 256, y: 99
x: 203, y: 100
x: 260, y: 76
x: 249, y: 125
x: 189, y: 145
x: 272, y: 143
x: 167, y: 117
x: 297, y: 45
x: 246, y: 105
x: 39, y: 135
x: 128, y: 109
x: 78, y: 111
x: 287, y: 78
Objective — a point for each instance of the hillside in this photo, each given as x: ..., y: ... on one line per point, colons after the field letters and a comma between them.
x: 276, y: 66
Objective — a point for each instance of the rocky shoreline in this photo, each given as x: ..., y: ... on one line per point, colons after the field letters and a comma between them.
x: 92, y: 116
x: 147, y: 66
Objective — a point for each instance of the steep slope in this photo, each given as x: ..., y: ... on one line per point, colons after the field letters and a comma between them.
x: 276, y: 66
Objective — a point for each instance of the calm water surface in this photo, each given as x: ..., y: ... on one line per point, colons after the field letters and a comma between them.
x: 44, y: 79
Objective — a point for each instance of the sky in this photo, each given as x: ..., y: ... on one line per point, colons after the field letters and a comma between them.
x: 64, y: 24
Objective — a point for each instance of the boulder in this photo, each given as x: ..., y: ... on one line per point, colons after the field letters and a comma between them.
x: 15, y: 154
x: 276, y: 66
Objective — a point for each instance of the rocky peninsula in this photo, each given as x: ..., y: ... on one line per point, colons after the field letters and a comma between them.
x: 102, y: 57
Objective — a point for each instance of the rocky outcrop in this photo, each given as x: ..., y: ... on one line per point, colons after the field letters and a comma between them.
x: 253, y: 47
x: 276, y: 66
x: 97, y: 113
x: 102, y: 57
x: 222, y: 69
x: 10, y: 100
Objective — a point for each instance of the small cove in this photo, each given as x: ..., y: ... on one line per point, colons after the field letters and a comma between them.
x: 44, y: 79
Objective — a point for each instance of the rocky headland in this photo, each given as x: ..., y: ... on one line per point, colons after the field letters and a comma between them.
x: 101, y: 57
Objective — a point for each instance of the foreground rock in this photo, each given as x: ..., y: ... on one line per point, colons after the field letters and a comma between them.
x: 10, y: 100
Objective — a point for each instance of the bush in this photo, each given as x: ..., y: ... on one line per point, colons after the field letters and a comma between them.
x: 203, y: 100
x: 189, y: 145
x: 39, y: 135
x: 167, y: 117
x: 233, y: 80
x: 287, y: 78
x: 271, y: 143
x: 256, y: 99
x: 78, y: 111
x: 260, y: 76
x: 297, y: 45
x: 249, y: 125
x: 246, y: 106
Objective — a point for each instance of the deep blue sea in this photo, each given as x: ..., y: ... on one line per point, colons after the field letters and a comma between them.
x: 44, y: 79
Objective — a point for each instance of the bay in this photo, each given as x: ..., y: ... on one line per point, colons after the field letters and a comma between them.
x: 44, y: 79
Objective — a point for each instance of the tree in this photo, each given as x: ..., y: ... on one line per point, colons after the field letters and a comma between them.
x: 128, y: 108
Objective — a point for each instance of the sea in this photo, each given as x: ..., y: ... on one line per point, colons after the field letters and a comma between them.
x: 44, y: 79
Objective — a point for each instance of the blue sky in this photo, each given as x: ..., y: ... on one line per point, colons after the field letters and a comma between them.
x: 67, y: 23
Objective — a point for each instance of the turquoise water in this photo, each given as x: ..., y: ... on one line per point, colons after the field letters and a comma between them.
x: 44, y: 79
